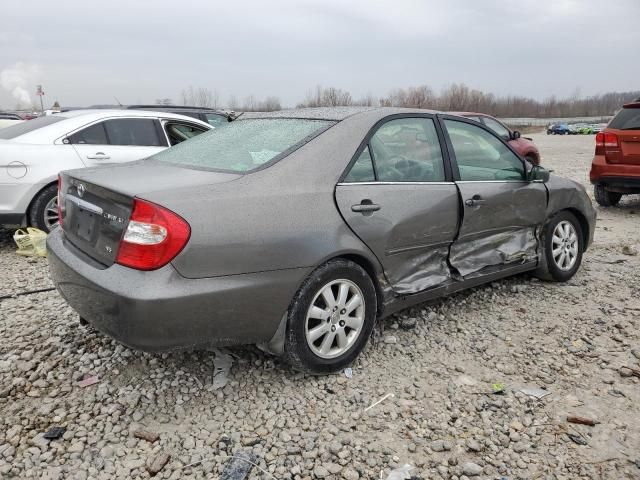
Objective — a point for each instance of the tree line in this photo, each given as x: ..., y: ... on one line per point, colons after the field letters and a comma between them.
x: 458, y: 97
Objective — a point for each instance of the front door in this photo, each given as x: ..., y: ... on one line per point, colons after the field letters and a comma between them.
x: 501, y: 209
x: 399, y: 199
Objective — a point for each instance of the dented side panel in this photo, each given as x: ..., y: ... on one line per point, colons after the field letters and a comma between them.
x: 500, y: 227
x: 411, y: 232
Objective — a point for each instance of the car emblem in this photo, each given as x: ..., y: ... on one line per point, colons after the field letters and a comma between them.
x: 81, y: 189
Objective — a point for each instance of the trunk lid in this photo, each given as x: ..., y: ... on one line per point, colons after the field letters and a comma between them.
x: 96, y: 203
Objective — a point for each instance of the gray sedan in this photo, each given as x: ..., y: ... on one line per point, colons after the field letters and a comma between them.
x: 297, y: 230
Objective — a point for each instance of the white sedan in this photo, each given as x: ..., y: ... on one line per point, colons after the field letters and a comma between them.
x: 32, y: 153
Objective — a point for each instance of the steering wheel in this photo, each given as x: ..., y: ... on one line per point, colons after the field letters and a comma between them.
x: 412, y: 169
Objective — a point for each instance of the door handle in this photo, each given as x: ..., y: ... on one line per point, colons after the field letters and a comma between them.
x: 98, y: 156
x: 474, y: 201
x: 366, y: 207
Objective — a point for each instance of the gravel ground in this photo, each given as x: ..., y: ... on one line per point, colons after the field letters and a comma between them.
x: 439, y: 362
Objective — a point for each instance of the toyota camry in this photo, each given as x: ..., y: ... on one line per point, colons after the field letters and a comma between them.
x: 298, y: 230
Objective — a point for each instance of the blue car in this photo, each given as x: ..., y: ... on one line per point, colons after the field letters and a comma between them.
x: 558, y: 129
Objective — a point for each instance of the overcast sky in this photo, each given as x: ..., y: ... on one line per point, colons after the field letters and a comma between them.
x: 88, y: 52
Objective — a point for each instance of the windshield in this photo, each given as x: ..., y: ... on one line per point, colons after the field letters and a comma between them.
x: 626, y: 119
x: 18, y: 129
x: 244, y: 145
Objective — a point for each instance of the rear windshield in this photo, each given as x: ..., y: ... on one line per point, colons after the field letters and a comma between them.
x: 626, y: 119
x: 244, y: 145
x: 27, y: 126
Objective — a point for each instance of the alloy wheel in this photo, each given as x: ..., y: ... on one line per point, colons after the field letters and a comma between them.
x: 50, y: 215
x: 335, y: 318
x: 564, y: 245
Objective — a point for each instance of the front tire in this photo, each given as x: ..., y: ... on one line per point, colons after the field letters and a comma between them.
x: 330, y: 318
x: 43, y: 213
x: 604, y: 197
x: 563, y: 244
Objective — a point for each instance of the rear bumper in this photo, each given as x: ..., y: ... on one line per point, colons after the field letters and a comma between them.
x: 161, y: 310
x: 617, y: 176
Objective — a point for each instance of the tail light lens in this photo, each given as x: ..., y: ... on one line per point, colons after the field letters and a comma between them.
x: 599, y: 139
x: 154, y: 236
x: 610, y: 140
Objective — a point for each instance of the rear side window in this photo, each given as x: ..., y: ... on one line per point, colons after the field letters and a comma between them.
x: 626, y: 119
x: 362, y: 169
x: 93, y: 135
x: 407, y: 150
x: 244, y: 145
x: 141, y: 132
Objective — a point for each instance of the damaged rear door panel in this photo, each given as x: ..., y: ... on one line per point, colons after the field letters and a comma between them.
x: 399, y: 198
x: 410, y: 233
x: 501, y: 210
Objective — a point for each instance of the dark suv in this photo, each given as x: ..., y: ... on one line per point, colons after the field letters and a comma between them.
x: 615, y: 170
x: 209, y: 115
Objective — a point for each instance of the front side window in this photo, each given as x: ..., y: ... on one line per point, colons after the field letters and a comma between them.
x: 216, y: 120
x: 244, y: 145
x: 141, y: 132
x: 497, y: 127
x: 92, y: 135
x: 407, y: 150
x: 481, y: 156
x: 179, y: 132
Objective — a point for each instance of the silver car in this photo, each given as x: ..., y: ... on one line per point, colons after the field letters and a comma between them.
x: 298, y: 230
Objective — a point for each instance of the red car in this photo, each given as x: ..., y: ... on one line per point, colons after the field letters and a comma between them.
x: 523, y: 145
x: 615, y: 170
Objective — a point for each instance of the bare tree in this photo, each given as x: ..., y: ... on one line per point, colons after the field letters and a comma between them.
x: 199, y: 97
x: 327, y: 97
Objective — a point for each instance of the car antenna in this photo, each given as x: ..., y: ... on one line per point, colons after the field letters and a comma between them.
x: 117, y: 101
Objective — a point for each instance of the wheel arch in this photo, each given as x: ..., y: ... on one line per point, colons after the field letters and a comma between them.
x: 584, y: 224
x: 35, y: 195
x: 374, y: 272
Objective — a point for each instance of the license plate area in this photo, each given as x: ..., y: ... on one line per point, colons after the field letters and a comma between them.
x: 83, y: 219
x: 86, y: 224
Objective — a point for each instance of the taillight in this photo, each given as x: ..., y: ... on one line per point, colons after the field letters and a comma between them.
x: 599, y: 139
x: 154, y: 236
x: 60, y: 201
x: 610, y: 140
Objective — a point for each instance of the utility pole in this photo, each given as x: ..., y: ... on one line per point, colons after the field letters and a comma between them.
x: 40, y: 93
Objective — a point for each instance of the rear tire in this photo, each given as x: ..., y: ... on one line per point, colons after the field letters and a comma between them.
x: 604, y: 197
x: 325, y: 331
x: 563, y: 244
x: 43, y: 212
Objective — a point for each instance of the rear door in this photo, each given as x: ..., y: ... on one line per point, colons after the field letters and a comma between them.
x: 118, y: 140
x: 501, y: 209
x: 399, y: 198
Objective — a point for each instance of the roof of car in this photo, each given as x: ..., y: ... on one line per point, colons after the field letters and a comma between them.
x: 331, y: 113
x: 466, y: 114
x: 74, y: 119
x: 186, y: 108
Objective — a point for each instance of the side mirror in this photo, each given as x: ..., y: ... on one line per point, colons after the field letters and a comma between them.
x: 515, y: 135
x: 538, y: 174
